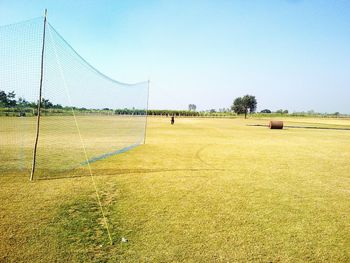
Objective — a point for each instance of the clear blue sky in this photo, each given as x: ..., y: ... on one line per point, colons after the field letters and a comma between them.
x: 291, y: 54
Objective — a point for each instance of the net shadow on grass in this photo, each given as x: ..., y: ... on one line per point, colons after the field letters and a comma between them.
x: 106, y: 155
x: 116, y: 172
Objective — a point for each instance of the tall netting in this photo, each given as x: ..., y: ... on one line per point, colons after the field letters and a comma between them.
x: 85, y: 115
x: 20, y: 52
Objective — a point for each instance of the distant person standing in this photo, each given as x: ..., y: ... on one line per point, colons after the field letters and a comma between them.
x: 172, y: 120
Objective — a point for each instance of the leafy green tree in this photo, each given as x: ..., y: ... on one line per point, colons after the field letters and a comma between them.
x: 23, y: 103
x: 58, y: 106
x: 192, y: 107
x: 46, y: 104
x: 3, y: 99
x: 8, y: 100
x: 244, y: 104
x: 11, y: 99
x: 281, y: 111
x: 237, y: 106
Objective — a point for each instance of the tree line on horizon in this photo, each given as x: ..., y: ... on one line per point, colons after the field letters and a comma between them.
x: 8, y: 100
x: 241, y: 106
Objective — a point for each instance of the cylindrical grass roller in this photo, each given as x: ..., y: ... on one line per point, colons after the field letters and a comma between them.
x: 276, y: 125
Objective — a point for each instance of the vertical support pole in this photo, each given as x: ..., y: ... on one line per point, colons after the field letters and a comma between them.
x: 145, y: 132
x: 39, y: 102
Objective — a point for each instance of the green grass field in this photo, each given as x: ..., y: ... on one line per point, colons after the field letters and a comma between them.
x: 203, y: 190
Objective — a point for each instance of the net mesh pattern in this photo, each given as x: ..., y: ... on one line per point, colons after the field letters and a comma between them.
x: 85, y: 115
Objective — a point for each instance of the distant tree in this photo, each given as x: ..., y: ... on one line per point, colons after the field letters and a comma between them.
x: 265, y: 111
x: 46, y: 104
x: 23, y: 103
x: 192, y: 107
x: 8, y: 100
x: 11, y: 99
x: 3, y: 99
x: 238, y: 106
x: 224, y: 110
x: 281, y: 111
x: 212, y: 111
x: 244, y: 104
x: 58, y: 106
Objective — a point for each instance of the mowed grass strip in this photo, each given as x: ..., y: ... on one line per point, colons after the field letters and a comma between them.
x: 202, y: 190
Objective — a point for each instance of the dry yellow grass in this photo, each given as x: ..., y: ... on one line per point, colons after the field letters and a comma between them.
x: 203, y: 190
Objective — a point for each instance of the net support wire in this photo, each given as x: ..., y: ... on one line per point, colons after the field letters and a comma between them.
x: 146, y: 112
x: 82, y: 142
